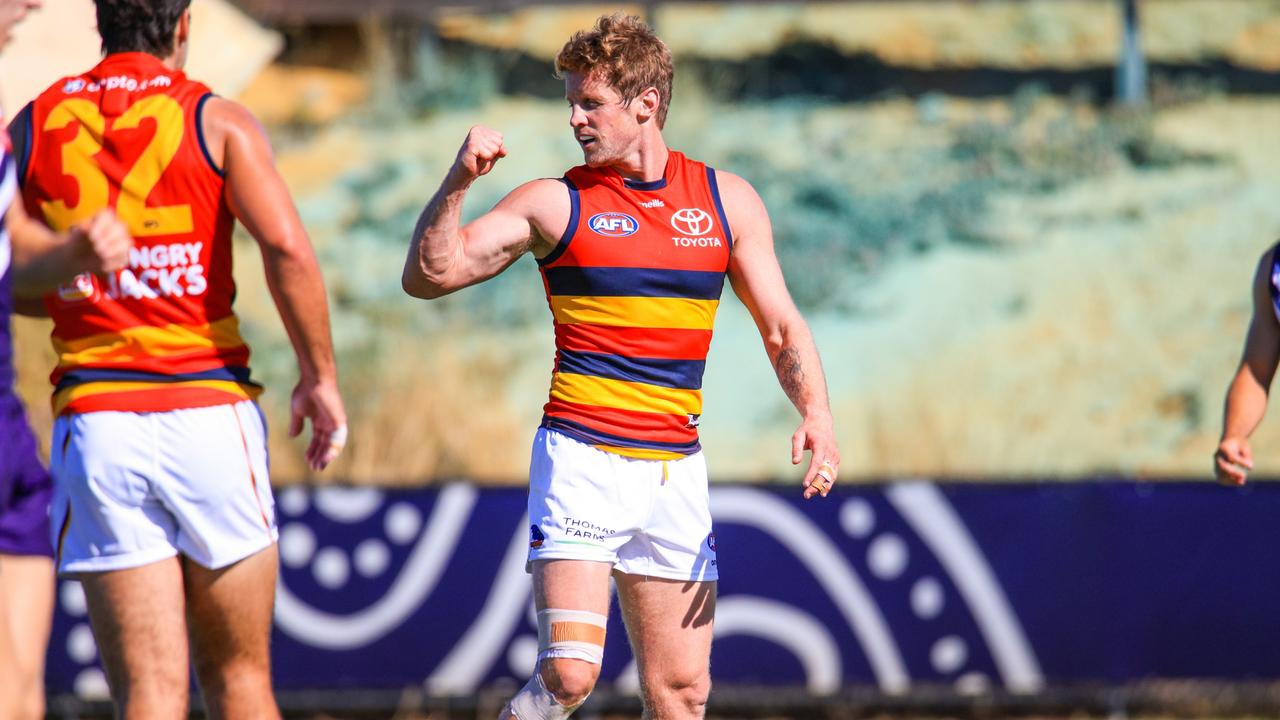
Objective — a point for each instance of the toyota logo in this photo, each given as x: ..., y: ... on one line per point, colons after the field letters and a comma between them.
x: 692, y: 221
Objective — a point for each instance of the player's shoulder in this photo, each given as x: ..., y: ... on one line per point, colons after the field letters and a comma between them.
x: 732, y: 183
x: 226, y: 122
x: 740, y: 200
x: 540, y: 190
x: 545, y: 184
x: 545, y: 203
x: 226, y: 125
x: 544, y: 199
x: 221, y: 111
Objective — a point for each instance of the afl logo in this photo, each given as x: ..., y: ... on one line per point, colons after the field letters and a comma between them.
x: 692, y: 221
x: 613, y: 224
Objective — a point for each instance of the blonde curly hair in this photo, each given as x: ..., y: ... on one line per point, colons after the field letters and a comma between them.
x: 623, y: 51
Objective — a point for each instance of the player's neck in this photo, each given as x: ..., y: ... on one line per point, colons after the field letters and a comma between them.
x: 647, y: 163
x: 172, y: 62
x: 177, y: 59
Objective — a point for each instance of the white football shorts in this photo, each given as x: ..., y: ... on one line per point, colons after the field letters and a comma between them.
x: 645, y: 517
x: 131, y: 488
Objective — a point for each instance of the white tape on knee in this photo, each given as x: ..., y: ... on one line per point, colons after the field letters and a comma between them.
x: 535, y: 702
x: 571, y: 634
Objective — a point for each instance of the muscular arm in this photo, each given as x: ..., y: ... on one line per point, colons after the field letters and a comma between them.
x: 1247, y: 395
x: 444, y: 257
x: 258, y: 198
x: 757, y: 281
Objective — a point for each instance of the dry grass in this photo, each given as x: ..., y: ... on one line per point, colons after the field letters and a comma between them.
x: 33, y: 359
x: 432, y: 412
x: 1097, y: 338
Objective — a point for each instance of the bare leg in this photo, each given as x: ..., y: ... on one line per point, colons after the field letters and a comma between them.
x: 8, y: 658
x: 569, y: 585
x: 137, y: 617
x: 669, y: 623
x: 229, y: 619
x: 26, y: 590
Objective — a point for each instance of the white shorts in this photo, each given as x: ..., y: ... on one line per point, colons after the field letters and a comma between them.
x: 134, y: 488
x: 645, y: 517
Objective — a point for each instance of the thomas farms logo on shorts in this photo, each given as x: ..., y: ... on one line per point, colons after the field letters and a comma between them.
x: 613, y: 224
x: 536, y: 537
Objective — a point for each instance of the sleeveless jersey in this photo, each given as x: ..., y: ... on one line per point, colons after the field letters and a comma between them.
x: 159, y: 334
x: 633, y: 286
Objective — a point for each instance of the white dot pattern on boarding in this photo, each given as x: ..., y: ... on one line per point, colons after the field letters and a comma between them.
x: 398, y: 549
x: 887, y: 556
x: 927, y: 598
x: 71, y: 594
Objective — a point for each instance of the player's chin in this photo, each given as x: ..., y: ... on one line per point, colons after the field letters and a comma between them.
x: 592, y: 157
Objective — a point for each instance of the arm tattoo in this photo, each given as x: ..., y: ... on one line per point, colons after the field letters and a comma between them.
x: 790, y: 373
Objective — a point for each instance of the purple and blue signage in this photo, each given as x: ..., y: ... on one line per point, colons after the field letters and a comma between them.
x: 1013, y: 587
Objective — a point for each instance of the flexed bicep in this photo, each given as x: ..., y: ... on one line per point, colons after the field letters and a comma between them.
x: 444, y: 257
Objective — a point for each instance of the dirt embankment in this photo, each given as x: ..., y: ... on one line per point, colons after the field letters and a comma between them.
x: 1098, y: 337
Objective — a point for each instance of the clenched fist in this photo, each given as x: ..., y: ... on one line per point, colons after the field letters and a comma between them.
x: 100, y: 244
x: 479, y: 152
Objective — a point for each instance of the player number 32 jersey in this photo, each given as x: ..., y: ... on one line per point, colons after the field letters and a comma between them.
x: 159, y: 334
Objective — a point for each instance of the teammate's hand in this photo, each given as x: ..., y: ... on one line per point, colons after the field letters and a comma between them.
x: 480, y: 152
x: 1233, y: 461
x: 101, y: 243
x: 319, y: 401
x: 817, y: 436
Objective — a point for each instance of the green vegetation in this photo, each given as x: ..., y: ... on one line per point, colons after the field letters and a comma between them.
x: 832, y: 226
x: 853, y: 189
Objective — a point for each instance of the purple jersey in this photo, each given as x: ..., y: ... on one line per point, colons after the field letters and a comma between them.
x: 24, y: 484
x: 8, y: 189
x: 13, y: 428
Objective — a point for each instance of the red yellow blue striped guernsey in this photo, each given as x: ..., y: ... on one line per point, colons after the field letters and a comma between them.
x: 160, y: 334
x: 633, y: 285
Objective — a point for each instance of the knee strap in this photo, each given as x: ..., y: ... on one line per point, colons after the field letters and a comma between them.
x: 571, y: 634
